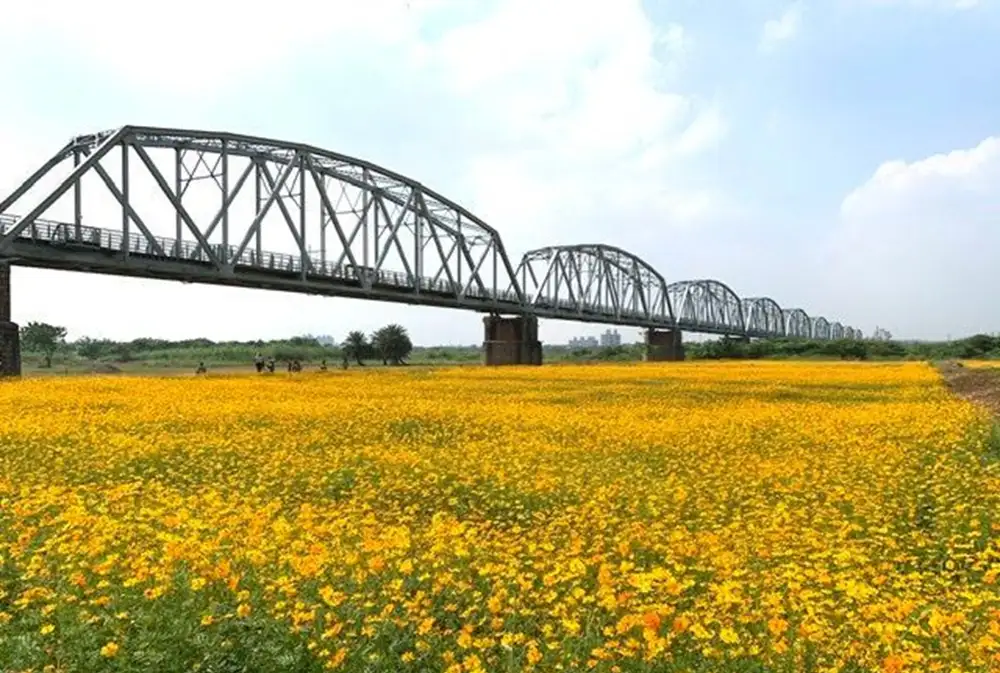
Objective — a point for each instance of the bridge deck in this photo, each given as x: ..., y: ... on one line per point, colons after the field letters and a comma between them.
x: 60, y: 245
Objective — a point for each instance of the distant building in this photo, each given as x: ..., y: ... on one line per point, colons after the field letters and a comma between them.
x: 611, y: 338
x: 326, y: 340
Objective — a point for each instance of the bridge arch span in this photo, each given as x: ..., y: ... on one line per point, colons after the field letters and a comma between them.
x: 798, y: 324
x: 709, y: 304
x: 763, y: 317
x: 238, y: 201
x: 820, y: 328
x: 593, y: 279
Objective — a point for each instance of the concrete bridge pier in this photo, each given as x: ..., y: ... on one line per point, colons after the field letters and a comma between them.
x: 10, y: 336
x: 511, y: 341
x: 664, y: 345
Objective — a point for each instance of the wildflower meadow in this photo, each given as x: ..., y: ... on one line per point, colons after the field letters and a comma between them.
x: 645, y: 517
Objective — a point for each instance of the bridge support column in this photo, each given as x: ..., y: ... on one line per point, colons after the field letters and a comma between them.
x: 664, y: 345
x: 511, y: 341
x: 10, y: 336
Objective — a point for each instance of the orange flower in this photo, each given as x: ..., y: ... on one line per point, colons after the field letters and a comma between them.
x: 892, y: 664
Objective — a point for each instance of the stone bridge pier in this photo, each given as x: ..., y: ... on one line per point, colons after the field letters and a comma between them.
x: 664, y: 345
x: 10, y: 337
x: 511, y: 341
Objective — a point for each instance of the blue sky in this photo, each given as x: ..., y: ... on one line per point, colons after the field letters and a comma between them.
x: 832, y: 155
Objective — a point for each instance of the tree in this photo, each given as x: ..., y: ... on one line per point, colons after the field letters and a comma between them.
x: 92, y: 348
x: 124, y: 352
x: 376, y: 346
x: 356, y: 347
x: 309, y: 341
x: 43, y: 338
x: 392, y: 343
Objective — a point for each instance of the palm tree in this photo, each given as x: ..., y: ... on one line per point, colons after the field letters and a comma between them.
x: 379, y: 345
x: 356, y: 347
x: 392, y: 343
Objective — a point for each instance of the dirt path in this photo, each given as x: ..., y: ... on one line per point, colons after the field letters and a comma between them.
x: 981, y: 385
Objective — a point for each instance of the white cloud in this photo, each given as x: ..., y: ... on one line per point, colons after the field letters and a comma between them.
x: 197, y: 45
x: 585, y: 122
x: 577, y: 129
x: 782, y: 29
x: 917, y: 247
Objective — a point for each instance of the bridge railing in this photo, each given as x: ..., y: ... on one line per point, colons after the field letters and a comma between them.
x: 588, y: 308
x: 63, y: 234
x: 107, y: 240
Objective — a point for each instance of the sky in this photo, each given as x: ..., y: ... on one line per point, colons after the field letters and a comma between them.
x: 839, y: 156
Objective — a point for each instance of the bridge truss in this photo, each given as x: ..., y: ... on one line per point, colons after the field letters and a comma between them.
x: 797, y: 323
x: 763, y: 316
x: 707, y: 302
x: 229, y: 209
x: 820, y: 328
x: 595, y: 280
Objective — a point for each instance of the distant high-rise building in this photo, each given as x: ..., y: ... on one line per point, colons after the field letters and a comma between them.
x: 583, y: 342
x: 611, y: 338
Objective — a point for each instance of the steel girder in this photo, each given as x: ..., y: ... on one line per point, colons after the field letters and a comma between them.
x: 763, y: 317
x: 836, y: 331
x: 707, y: 304
x: 595, y: 279
x: 255, y: 212
x: 798, y: 325
x: 239, y: 203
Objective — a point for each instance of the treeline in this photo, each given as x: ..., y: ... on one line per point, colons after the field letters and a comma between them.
x: 977, y: 347
x: 304, y: 349
x: 390, y: 344
x: 623, y: 353
x: 842, y: 349
x: 980, y: 346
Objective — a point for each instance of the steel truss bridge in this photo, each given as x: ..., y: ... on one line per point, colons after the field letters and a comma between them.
x: 228, y: 209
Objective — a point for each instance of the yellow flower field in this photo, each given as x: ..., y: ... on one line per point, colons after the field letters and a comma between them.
x: 981, y: 364
x: 681, y: 517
